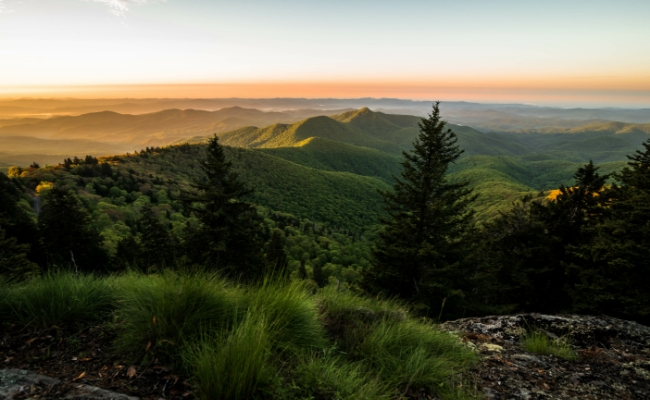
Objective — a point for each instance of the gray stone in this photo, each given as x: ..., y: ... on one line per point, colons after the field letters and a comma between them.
x: 15, y: 382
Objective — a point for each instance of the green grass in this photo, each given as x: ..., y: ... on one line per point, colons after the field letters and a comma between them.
x: 233, y: 365
x: 273, y: 340
x: 328, y: 376
x: 291, y: 315
x: 538, y: 342
x: 58, y: 298
x: 405, y: 353
x: 158, y: 314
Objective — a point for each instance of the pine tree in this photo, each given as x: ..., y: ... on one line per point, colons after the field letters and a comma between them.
x: 421, y: 251
x: 16, y: 222
x: 276, y: 257
x: 14, y: 263
x: 612, y: 267
x: 157, y: 246
x: 302, y: 271
x: 128, y: 255
x: 317, y: 271
x: 229, y: 238
x: 69, y: 238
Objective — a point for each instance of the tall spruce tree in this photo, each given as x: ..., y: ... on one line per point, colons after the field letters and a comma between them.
x: 613, y: 266
x: 17, y: 223
x: 69, y: 237
x: 421, y: 253
x: 229, y: 238
x: 157, y: 246
x: 276, y: 256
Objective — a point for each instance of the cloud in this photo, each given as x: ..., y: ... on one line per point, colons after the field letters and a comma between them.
x: 117, y: 7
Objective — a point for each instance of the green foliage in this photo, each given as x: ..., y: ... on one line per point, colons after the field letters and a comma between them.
x: 157, y: 246
x: 529, y: 245
x: 611, y: 267
x: 19, y: 228
x: 538, y: 342
x: 228, y: 238
x: 14, y: 263
x: 69, y: 238
x: 421, y: 253
x: 276, y: 257
x: 59, y: 298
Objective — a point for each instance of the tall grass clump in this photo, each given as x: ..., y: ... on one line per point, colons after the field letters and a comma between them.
x: 159, y: 313
x: 413, y: 355
x: 538, y: 342
x: 59, y: 298
x: 325, y: 376
x: 381, y: 336
x: 291, y: 315
x: 233, y: 365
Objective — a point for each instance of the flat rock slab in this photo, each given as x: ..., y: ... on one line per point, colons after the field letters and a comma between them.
x: 613, y: 357
x: 18, y: 384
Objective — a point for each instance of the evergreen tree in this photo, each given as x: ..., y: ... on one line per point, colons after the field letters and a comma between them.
x: 520, y: 254
x: 276, y: 257
x: 17, y: 223
x: 157, y: 246
x: 229, y: 238
x: 421, y: 253
x: 529, y: 246
x: 302, y: 271
x: 319, y: 276
x: 14, y: 263
x: 612, y: 267
x: 128, y: 255
x: 68, y: 236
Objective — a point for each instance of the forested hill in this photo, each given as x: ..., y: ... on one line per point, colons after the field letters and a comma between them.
x: 385, y: 132
x: 500, y: 166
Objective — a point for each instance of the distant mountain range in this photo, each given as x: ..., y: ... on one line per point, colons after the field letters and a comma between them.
x: 354, y: 145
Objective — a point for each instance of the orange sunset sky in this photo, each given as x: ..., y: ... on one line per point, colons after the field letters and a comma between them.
x: 565, y: 53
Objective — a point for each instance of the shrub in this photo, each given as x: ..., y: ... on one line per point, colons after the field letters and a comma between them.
x: 59, y: 297
x: 538, y: 342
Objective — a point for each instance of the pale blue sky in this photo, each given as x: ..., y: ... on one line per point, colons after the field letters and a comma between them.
x: 553, y: 44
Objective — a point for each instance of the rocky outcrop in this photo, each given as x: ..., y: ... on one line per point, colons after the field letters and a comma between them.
x: 613, y: 357
x: 20, y: 384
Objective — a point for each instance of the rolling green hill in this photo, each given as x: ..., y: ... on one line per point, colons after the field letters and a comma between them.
x: 384, y: 132
x: 329, y: 155
x: 282, y: 135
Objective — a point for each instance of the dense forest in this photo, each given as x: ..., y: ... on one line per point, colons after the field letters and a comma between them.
x: 325, y: 213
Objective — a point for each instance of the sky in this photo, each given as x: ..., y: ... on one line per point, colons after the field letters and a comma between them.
x: 568, y: 52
